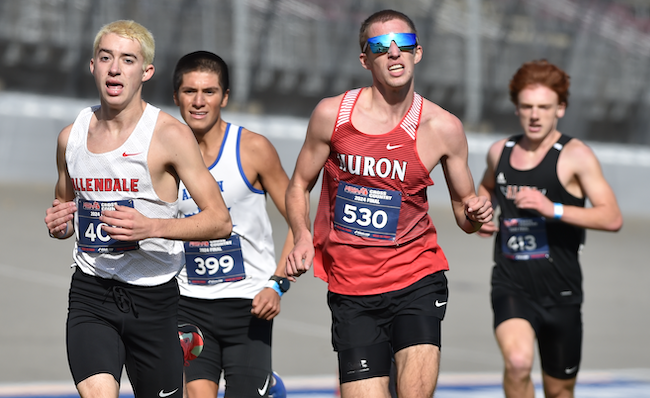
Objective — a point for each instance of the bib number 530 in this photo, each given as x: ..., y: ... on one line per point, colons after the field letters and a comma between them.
x: 378, y: 219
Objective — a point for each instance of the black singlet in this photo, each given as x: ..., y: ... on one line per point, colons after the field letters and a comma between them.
x: 536, y: 256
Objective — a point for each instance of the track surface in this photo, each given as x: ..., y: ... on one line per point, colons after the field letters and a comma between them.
x: 35, y: 274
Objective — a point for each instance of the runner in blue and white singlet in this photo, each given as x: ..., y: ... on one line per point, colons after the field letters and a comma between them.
x: 240, y: 266
x: 230, y: 288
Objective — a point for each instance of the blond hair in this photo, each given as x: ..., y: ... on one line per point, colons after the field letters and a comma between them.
x: 130, y: 30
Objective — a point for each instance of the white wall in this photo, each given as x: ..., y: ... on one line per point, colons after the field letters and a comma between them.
x: 29, y: 125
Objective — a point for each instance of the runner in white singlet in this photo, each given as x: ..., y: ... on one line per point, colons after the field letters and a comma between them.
x: 117, y: 193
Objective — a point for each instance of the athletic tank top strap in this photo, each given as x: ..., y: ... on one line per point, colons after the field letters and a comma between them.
x: 562, y: 142
x: 504, y: 160
x: 232, y: 155
x: 411, y: 121
x: 346, y: 106
x: 77, y: 137
x: 554, y: 153
x: 228, y: 153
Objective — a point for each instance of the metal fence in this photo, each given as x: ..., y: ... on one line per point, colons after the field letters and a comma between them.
x: 285, y: 55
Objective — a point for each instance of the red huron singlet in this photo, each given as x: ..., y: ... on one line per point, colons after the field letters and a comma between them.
x: 372, y: 232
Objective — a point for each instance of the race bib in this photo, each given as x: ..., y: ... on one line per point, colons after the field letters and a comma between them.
x: 92, y: 238
x: 367, y: 212
x: 215, y: 261
x: 524, y: 238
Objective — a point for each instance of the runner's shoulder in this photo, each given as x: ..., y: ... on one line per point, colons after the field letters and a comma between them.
x: 168, y: 127
x: 441, y: 126
x: 255, y: 144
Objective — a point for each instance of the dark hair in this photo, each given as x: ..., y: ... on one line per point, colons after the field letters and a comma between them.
x: 382, y: 16
x: 204, y: 61
x: 540, y: 72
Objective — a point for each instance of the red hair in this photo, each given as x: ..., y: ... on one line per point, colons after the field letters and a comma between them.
x: 540, y: 72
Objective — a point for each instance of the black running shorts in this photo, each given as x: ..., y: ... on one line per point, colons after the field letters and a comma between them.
x: 367, y: 330
x: 112, y: 324
x: 235, y: 341
x: 558, y: 330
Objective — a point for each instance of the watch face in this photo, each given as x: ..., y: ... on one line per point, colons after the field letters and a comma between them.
x: 284, y: 283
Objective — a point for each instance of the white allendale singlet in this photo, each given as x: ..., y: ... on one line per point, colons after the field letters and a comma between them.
x: 247, y: 206
x: 121, y: 174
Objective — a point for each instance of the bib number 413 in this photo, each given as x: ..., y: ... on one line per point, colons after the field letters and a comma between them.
x: 519, y: 243
x: 524, y: 238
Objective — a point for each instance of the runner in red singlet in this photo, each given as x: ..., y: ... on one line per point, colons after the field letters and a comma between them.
x: 374, y: 242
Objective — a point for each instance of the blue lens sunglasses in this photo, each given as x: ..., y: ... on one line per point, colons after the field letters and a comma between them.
x: 380, y: 44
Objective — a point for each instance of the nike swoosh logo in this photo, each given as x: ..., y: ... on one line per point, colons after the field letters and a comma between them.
x: 389, y: 146
x: 130, y: 154
x: 262, y: 390
x: 439, y: 303
x: 570, y: 370
x: 164, y: 394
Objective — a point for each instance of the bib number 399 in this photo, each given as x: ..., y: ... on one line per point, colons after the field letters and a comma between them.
x: 211, y: 265
x: 215, y: 261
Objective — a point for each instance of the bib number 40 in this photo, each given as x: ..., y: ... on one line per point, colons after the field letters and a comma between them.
x: 93, y: 232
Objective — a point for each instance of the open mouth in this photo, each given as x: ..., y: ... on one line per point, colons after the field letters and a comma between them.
x: 114, y: 88
x: 198, y: 115
x: 396, y: 68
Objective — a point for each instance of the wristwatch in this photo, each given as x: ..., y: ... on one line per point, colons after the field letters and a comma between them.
x: 279, y: 284
x: 283, y: 283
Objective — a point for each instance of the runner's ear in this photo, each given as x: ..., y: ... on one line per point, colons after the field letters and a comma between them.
x: 363, y: 58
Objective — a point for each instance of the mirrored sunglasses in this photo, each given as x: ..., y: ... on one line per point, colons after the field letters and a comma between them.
x: 380, y: 44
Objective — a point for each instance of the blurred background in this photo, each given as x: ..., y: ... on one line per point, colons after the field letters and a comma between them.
x: 284, y: 56
x: 287, y: 54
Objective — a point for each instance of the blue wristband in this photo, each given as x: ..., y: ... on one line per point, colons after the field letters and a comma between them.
x: 558, y: 210
x: 274, y: 285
